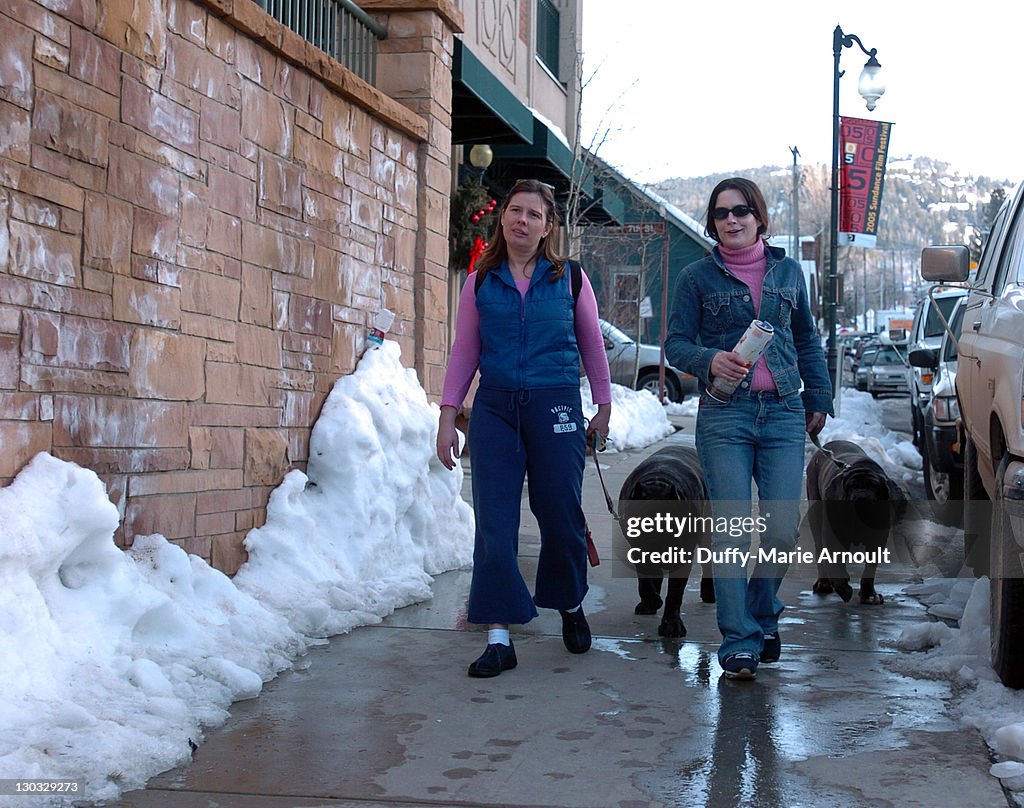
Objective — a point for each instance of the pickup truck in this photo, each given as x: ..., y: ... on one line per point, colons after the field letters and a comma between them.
x: 990, y: 392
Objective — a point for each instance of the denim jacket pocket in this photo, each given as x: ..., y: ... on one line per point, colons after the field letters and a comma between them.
x: 722, y: 314
x: 788, y: 298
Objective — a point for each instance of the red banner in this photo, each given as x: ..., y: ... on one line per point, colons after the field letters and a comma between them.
x: 863, y: 146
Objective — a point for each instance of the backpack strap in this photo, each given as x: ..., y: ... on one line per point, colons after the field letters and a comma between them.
x: 575, y: 280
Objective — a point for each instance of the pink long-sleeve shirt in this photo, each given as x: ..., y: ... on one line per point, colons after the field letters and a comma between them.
x: 465, y: 358
x: 749, y: 265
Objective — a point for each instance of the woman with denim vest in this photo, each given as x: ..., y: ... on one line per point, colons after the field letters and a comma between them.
x: 758, y: 434
x: 519, y: 323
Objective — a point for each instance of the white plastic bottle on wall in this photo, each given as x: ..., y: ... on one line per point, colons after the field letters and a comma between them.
x: 381, y: 325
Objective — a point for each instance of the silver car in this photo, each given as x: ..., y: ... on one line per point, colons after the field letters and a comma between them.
x: 887, y: 372
x: 635, y: 365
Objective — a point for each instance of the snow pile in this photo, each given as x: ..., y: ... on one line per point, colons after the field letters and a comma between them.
x: 638, y: 419
x: 962, y: 655
x: 375, y: 517
x: 859, y: 421
x: 112, y: 661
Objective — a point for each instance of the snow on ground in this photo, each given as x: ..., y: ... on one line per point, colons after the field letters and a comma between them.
x: 113, y: 662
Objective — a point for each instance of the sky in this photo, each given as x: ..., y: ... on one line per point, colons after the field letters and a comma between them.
x: 111, y: 660
x: 690, y: 89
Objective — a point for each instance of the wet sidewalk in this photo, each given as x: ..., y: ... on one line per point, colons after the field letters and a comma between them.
x: 386, y: 716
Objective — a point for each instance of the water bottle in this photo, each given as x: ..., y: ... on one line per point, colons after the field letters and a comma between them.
x: 751, y: 345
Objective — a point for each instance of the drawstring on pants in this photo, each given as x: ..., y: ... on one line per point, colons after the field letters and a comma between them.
x: 518, y: 399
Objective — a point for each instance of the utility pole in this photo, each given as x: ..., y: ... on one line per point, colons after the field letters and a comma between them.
x: 795, y: 253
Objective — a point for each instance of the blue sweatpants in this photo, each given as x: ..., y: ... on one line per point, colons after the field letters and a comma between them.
x: 539, y: 435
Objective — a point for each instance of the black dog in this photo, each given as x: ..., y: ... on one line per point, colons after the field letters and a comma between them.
x: 670, y: 474
x: 852, y: 502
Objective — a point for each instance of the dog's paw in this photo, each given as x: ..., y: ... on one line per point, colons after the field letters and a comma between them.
x: 707, y: 590
x: 823, y: 586
x: 842, y: 588
x: 672, y: 627
x: 871, y: 598
x: 647, y: 607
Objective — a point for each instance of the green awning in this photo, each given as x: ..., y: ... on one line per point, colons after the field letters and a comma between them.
x: 483, y: 109
x: 547, y: 151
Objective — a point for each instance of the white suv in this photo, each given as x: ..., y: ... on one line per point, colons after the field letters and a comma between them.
x: 926, y: 333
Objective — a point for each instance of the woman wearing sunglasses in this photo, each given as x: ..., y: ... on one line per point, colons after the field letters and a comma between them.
x: 758, y: 434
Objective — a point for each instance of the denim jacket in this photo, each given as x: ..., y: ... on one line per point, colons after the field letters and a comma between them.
x: 712, y: 308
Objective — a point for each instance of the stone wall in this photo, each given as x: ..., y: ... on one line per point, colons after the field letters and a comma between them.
x: 200, y: 214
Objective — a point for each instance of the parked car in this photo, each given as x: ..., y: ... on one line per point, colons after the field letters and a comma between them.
x: 857, y: 360
x: 940, y: 444
x: 990, y: 390
x: 635, y: 365
x: 887, y: 372
x: 860, y: 373
x: 926, y: 333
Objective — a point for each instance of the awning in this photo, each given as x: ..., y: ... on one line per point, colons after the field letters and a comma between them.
x: 483, y: 109
x: 548, y: 158
x: 545, y: 153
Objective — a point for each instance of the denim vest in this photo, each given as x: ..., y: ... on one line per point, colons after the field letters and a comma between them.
x: 712, y: 308
x: 527, y: 343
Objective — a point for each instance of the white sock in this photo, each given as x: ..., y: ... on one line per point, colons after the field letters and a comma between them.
x: 498, y: 636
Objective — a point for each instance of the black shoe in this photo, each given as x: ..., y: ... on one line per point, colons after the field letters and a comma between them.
x: 495, y: 659
x: 772, y: 649
x: 575, y: 631
x: 741, y: 665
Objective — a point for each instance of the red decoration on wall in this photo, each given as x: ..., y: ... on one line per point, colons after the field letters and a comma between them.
x: 479, y: 245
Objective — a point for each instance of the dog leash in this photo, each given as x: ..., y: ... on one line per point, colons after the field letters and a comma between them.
x: 831, y: 455
x: 599, y: 444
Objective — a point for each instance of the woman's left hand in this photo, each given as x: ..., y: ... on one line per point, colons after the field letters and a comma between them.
x: 599, y: 423
x: 815, y: 423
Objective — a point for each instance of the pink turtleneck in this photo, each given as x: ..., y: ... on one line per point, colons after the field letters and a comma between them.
x: 749, y: 266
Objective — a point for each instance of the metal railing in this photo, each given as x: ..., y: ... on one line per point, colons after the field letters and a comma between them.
x: 548, y: 19
x: 339, y: 28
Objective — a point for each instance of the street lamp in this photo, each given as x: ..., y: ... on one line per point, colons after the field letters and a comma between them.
x: 481, y: 156
x: 870, y: 89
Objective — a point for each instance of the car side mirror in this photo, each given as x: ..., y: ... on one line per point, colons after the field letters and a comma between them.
x: 924, y: 358
x: 608, y: 344
x: 950, y: 263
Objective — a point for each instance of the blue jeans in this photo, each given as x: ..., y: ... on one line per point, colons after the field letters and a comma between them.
x: 756, y: 437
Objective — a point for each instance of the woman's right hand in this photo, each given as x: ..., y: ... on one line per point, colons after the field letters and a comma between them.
x: 729, y: 365
x: 447, y: 438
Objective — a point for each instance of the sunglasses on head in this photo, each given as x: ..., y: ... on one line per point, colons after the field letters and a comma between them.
x: 739, y: 212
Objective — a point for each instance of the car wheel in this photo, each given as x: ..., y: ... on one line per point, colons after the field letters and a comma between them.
x: 945, y: 491
x: 1006, y: 594
x: 976, y: 513
x: 649, y: 381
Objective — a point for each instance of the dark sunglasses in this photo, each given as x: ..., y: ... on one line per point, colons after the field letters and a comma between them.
x: 721, y: 214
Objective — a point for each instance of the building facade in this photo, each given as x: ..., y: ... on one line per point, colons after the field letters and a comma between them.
x: 205, y: 203
x: 200, y: 214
